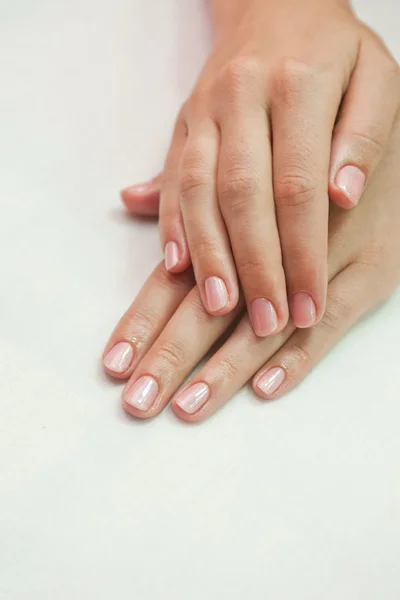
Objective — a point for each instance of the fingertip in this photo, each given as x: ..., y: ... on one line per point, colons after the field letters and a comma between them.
x: 217, y: 300
x: 142, y: 199
x: 268, y: 384
x: 182, y: 414
x: 348, y: 186
x: 304, y: 312
x: 338, y: 197
x: 117, y: 361
x: 189, y: 403
x: 176, y: 258
x: 265, y: 319
x: 135, y: 412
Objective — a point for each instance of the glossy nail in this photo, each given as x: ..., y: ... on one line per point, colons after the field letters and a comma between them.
x: 147, y: 187
x: 303, y: 310
x: 143, y: 393
x: 216, y: 294
x: 351, y: 180
x: 271, y: 381
x: 263, y: 317
x: 193, y: 398
x: 171, y: 255
x: 119, y: 358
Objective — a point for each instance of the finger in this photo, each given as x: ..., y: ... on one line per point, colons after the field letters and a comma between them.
x: 144, y: 320
x: 206, y: 233
x: 228, y: 370
x: 350, y: 294
x: 173, y: 356
x: 303, y: 113
x: 172, y: 231
x: 246, y: 198
x: 243, y: 353
x: 364, y: 125
x: 144, y: 198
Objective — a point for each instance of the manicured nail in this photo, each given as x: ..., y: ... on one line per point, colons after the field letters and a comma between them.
x: 351, y: 180
x: 263, y: 317
x: 119, y: 358
x: 303, y: 310
x: 271, y: 380
x: 171, y: 255
x: 142, y: 188
x: 143, y: 393
x: 216, y: 294
x: 193, y: 398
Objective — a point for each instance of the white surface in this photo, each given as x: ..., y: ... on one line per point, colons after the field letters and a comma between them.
x: 298, y: 499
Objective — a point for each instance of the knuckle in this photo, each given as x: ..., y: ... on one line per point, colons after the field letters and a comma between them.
x: 339, y: 309
x: 144, y: 321
x: 193, y: 181
x: 301, y: 354
x: 237, y: 186
x: 292, y: 75
x: 165, y: 280
x: 240, y: 71
x: 239, y: 80
x: 205, y: 250
x: 294, y: 189
x: 198, y: 98
x: 370, y: 138
x: 375, y: 254
x: 250, y: 268
x: 228, y: 367
x: 172, y: 352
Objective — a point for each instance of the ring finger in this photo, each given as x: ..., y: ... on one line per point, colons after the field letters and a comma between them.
x: 243, y: 354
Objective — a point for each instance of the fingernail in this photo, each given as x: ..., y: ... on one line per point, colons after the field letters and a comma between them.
x: 143, y: 393
x: 119, y: 358
x: 193, y: 398
x: 171, y: 255
x: 271, y: 380
x: 216, y: 294
x: 351, y: 180
x: 303, y: 310
x: 263, y: 317
x: 142, y: 188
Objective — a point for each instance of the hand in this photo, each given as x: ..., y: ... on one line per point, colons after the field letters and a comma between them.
x: 167, y: 331
x: 311, y: 80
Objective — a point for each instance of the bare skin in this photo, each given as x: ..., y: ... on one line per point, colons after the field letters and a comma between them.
x: 167, y: 331
x: 296, y: 102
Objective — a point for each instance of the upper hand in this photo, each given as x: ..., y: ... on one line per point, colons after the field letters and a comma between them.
x: 297, y: 101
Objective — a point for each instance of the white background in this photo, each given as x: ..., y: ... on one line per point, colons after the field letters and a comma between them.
x: 296, y: 499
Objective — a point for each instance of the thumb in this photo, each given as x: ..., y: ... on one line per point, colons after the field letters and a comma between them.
x: 143, y: 198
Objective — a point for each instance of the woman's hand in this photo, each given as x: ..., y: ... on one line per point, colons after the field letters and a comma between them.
x: 167, y: 331
x: 297, y: 99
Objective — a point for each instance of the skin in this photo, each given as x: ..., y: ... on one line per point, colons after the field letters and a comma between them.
x: 293, y: 95
x: 168, y: 314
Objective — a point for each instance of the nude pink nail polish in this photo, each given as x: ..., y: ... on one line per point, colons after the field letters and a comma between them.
x: 147, y: 187
x: 263, y: 317
x: 216, y: 294
x: 143, y: 393
x: 171, y: 255
x: 303, y: 310
x: 351, y: 180
x: 193, y: 397
x: 271, y: 381
x: 119, y: 358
